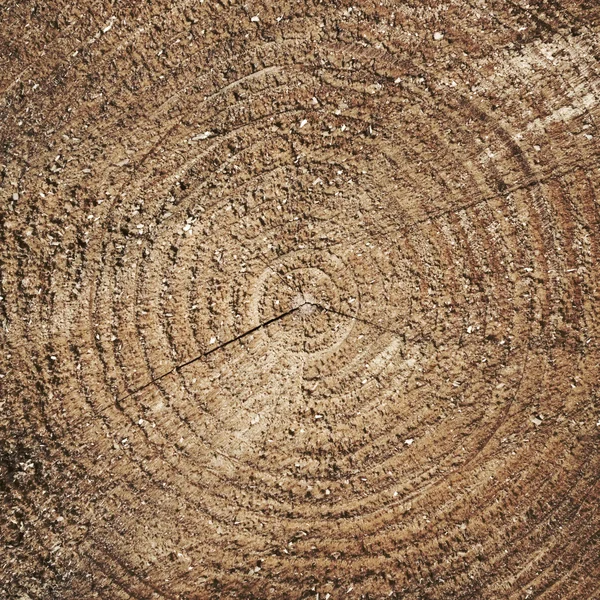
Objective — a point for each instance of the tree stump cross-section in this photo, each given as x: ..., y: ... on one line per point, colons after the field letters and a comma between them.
x: 299, y: 300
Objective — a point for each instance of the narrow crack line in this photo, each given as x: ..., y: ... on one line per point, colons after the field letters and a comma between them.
x: 326, y: 309
x: 249, y: 332
x: 490, y: 198
x: 242, y: 335
x: 356, y: 318
x: 388, y: 229
x: 211, y: 351
x: 534, y: 179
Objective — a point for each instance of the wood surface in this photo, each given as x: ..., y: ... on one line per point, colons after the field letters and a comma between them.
x: 299, y: 300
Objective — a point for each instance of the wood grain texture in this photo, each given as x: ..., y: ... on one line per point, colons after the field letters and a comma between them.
x: 299, y: 300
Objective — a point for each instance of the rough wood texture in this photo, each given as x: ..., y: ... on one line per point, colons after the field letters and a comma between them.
x: 299, y: 300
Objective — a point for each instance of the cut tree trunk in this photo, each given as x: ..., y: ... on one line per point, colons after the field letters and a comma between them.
x: 299, y: 300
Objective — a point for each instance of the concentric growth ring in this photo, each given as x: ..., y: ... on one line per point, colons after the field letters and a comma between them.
x: 300, y: 302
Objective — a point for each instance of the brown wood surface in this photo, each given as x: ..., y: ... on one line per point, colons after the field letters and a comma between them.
x: 299, y: 300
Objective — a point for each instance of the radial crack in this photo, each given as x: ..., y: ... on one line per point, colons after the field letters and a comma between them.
x: 356, y: 318
x: 212, y: 350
